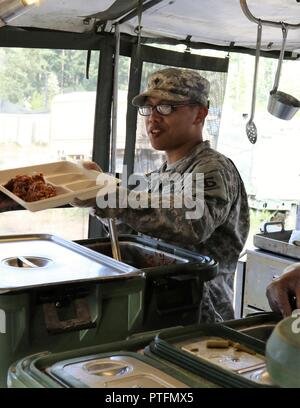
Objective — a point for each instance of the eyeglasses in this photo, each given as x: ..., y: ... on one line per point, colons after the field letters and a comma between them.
x: 162, y: 109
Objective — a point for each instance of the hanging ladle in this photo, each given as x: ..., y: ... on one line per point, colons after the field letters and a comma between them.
x: 281, y: 104
x: 251, y: 130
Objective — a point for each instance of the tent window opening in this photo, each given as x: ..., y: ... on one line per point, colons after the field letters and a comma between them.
x: 148, y: 159
x: 47, y: 109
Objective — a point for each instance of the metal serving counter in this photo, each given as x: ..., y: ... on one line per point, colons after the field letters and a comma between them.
x: 266, y: 262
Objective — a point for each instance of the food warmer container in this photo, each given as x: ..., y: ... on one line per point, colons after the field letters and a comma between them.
x: 174, y: 277
x: 218, y: 353
x: 56, y: 295
x: 120, y: 364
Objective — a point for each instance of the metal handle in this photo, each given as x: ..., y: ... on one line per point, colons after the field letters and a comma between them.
x: 251, y: 17
x: 258, y: 45
x: 277, y: 77
x: 81, y: 321
x: 115, y: 246
x: 273, y: 223
x: 111, y: 222
x: 22, y: 260
x: 202, y: 271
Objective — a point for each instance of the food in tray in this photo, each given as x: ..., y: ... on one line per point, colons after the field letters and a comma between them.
x: 31, y: 188
x: 222, y: 343
x: 218, y: 343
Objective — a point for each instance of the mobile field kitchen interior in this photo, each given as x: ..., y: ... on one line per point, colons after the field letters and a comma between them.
x: 79, y: 309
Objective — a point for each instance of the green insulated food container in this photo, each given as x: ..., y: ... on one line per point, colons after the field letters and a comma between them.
x: 56, y: 295
x: 174, y: 277
x: 283, y: 352
x: 116, y: 365
x: 215, y: 352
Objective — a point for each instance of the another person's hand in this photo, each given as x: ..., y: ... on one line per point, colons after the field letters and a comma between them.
x: 90, y: 203
x: 90, y: 165
x: 106, y: 188
x: 281, y: 291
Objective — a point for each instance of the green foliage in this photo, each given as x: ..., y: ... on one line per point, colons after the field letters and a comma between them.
x: 31, y: 78
x: 124, y: 67
x: 242, y: 71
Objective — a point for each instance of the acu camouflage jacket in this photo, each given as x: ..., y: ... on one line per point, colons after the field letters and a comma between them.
x: 220, y: 232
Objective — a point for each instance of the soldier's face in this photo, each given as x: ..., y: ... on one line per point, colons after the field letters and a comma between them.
x: 175, y: 130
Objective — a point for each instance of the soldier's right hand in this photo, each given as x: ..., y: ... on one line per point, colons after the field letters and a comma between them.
x: 90, y: 165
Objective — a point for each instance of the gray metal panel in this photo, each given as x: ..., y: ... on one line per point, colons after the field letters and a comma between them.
x: 261, y: 269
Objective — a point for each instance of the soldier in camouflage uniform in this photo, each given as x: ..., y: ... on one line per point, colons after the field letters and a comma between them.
x: 175, y: 106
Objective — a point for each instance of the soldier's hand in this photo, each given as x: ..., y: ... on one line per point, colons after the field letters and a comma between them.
x: 90, y: 165
x: 90, y: 203
x: 283, y: 290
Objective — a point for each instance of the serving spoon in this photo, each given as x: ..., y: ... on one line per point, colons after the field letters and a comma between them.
x: 251, y: 130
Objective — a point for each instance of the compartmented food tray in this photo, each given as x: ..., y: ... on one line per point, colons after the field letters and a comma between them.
x: 216, y: 352
x: 70, y: 180
x: 277, y: 242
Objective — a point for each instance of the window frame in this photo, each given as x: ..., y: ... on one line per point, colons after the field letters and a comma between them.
x: 105, y: 43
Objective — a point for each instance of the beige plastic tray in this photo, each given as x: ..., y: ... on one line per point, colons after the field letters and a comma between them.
x: 70, y: 179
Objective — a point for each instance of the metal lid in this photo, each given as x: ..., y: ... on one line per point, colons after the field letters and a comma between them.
x: 28, y: 261
x: 116, y: 371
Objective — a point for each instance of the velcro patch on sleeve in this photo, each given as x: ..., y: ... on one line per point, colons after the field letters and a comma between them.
x: 215, y: 186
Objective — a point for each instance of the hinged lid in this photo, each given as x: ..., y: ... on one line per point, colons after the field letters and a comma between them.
x: 113, y: 370
x: 29, y: 261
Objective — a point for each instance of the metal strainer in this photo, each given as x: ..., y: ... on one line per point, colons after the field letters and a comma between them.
x: 251, y: 130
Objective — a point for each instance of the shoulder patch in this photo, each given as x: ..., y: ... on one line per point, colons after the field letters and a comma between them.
x: 215, y: 186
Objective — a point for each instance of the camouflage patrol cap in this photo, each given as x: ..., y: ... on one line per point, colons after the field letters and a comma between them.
x: 176, y: 85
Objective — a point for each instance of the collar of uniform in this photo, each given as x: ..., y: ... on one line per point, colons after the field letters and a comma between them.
x: 181, y: 165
